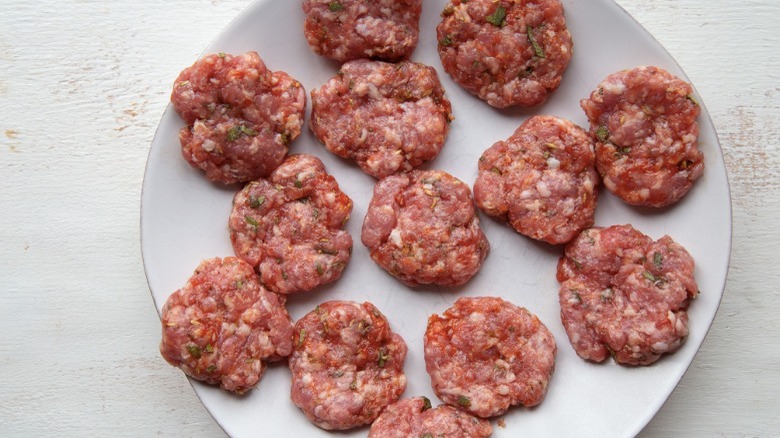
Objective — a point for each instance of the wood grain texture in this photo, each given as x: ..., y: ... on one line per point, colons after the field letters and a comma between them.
x: 82, y: 87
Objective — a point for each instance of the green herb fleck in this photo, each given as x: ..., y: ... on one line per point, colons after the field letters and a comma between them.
x: 606, y: 295
x: 194, y: 351
x: 251, y: 221
x: 335, y: 6
x: 298, y: 183
x: 496, y: 170
x: 649, y: 275
x: 184, y: 83
x: 256, y: 202
x: 353, y: 385
x: 209, y: 348
x: 319, y: 269
x: 284, y: 275
x: 383, y: 357
x: 235, y: 132
x: 221, y: 54
x: 446, y: 41
x: 301, y: 337
x: 658, y: 260
x: 211, y: 368
x: 426, y: 404
x: 497, y: 17
x: 426, y: 435
x: 602, y: 133
x: 248, y: 131
x: 692, y: 99
x: 538, y: 50
x: 575, y: 296
x: 464, y: 401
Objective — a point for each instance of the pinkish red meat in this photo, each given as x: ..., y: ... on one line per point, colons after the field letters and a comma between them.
x: 625, y: 295
x: 541, y: 180
x: 290, y: 226
x: 350, y: 29
x: 485, y: 355
x: 388, y: 118
x: 644, y: 121
x: 240, y: 116
x: 506, y: 52
x: 347, y: 365
x: 223, y: 326
x: 415, y: 417
x: 422, y: 228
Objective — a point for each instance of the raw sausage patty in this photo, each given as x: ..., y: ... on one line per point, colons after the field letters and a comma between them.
x: 223, y: 326
x: 644, y: 121
x: 240, y: 116
x: 388, y: 118
x: 508, y: 52
x: 347, y: 364
x: 541, y: 180
x: 624, y: 294
x: 350, y: 29
x: 422, y: 228
x: 414, y: 417
x: 486, y: 354
x: 290, y: 226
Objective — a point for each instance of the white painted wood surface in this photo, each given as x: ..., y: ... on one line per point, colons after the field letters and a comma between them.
x: 82, y: 87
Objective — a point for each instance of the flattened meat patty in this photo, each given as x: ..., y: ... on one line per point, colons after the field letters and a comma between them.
x: 644, y: 121
x: 415, y: 417
x: 625, y: 295
x: 541, y: 180
x: 486, y: 354
x: 344, y: 30
x: 388, y: 118
x: 223, y: 326
x: 240, y: 116
x: 290, y: 226
x: 422, y: 228
x: 347, y: 364
x: 507, y: 52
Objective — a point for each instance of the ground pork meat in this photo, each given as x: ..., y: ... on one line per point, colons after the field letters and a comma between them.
x: 507, y: 52
x: 485, y: 355
x: 644, y: 121
x: 422, y: 228
x: 388, y: 118
x: 347, y: 364
x: 240, y: 116
x: 541, y: 180
x: 625, y: 295
x: 344, y: 30
x: 415, y: 417
x: 223, y: 326
x: 290, y: 226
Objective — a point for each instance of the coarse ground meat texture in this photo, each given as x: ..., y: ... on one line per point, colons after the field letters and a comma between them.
x: 290, y: 226
x: 422, y: 228
x: 541, y: 180
x: 485, y: 355
x: 414, y: 417
x: 508, y: 52
x: 240, y: 116
x: 625, y: 295
x: 223, y: 326
x: 344, y: 30
x: 388, y: 118
x: 644, y: 121
x: 347, y: 364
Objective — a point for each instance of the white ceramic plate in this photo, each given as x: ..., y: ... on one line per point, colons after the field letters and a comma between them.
x: 184, y: 220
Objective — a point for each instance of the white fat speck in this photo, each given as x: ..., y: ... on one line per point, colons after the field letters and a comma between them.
x: 553, y: 163
x: 503, y: 390
x: 644, y: 193
x: 363, y: 135
x: 543, y: 189
x: 395, y: 237
x: 615, y: 87
x: 660, y: 347
x: 477, y: 317
x: 209, y: 145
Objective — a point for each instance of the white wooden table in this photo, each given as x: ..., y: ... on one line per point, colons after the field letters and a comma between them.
x: 82, y: 87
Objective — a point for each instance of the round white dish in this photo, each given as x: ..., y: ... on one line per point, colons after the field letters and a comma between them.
x: 184, y: 220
